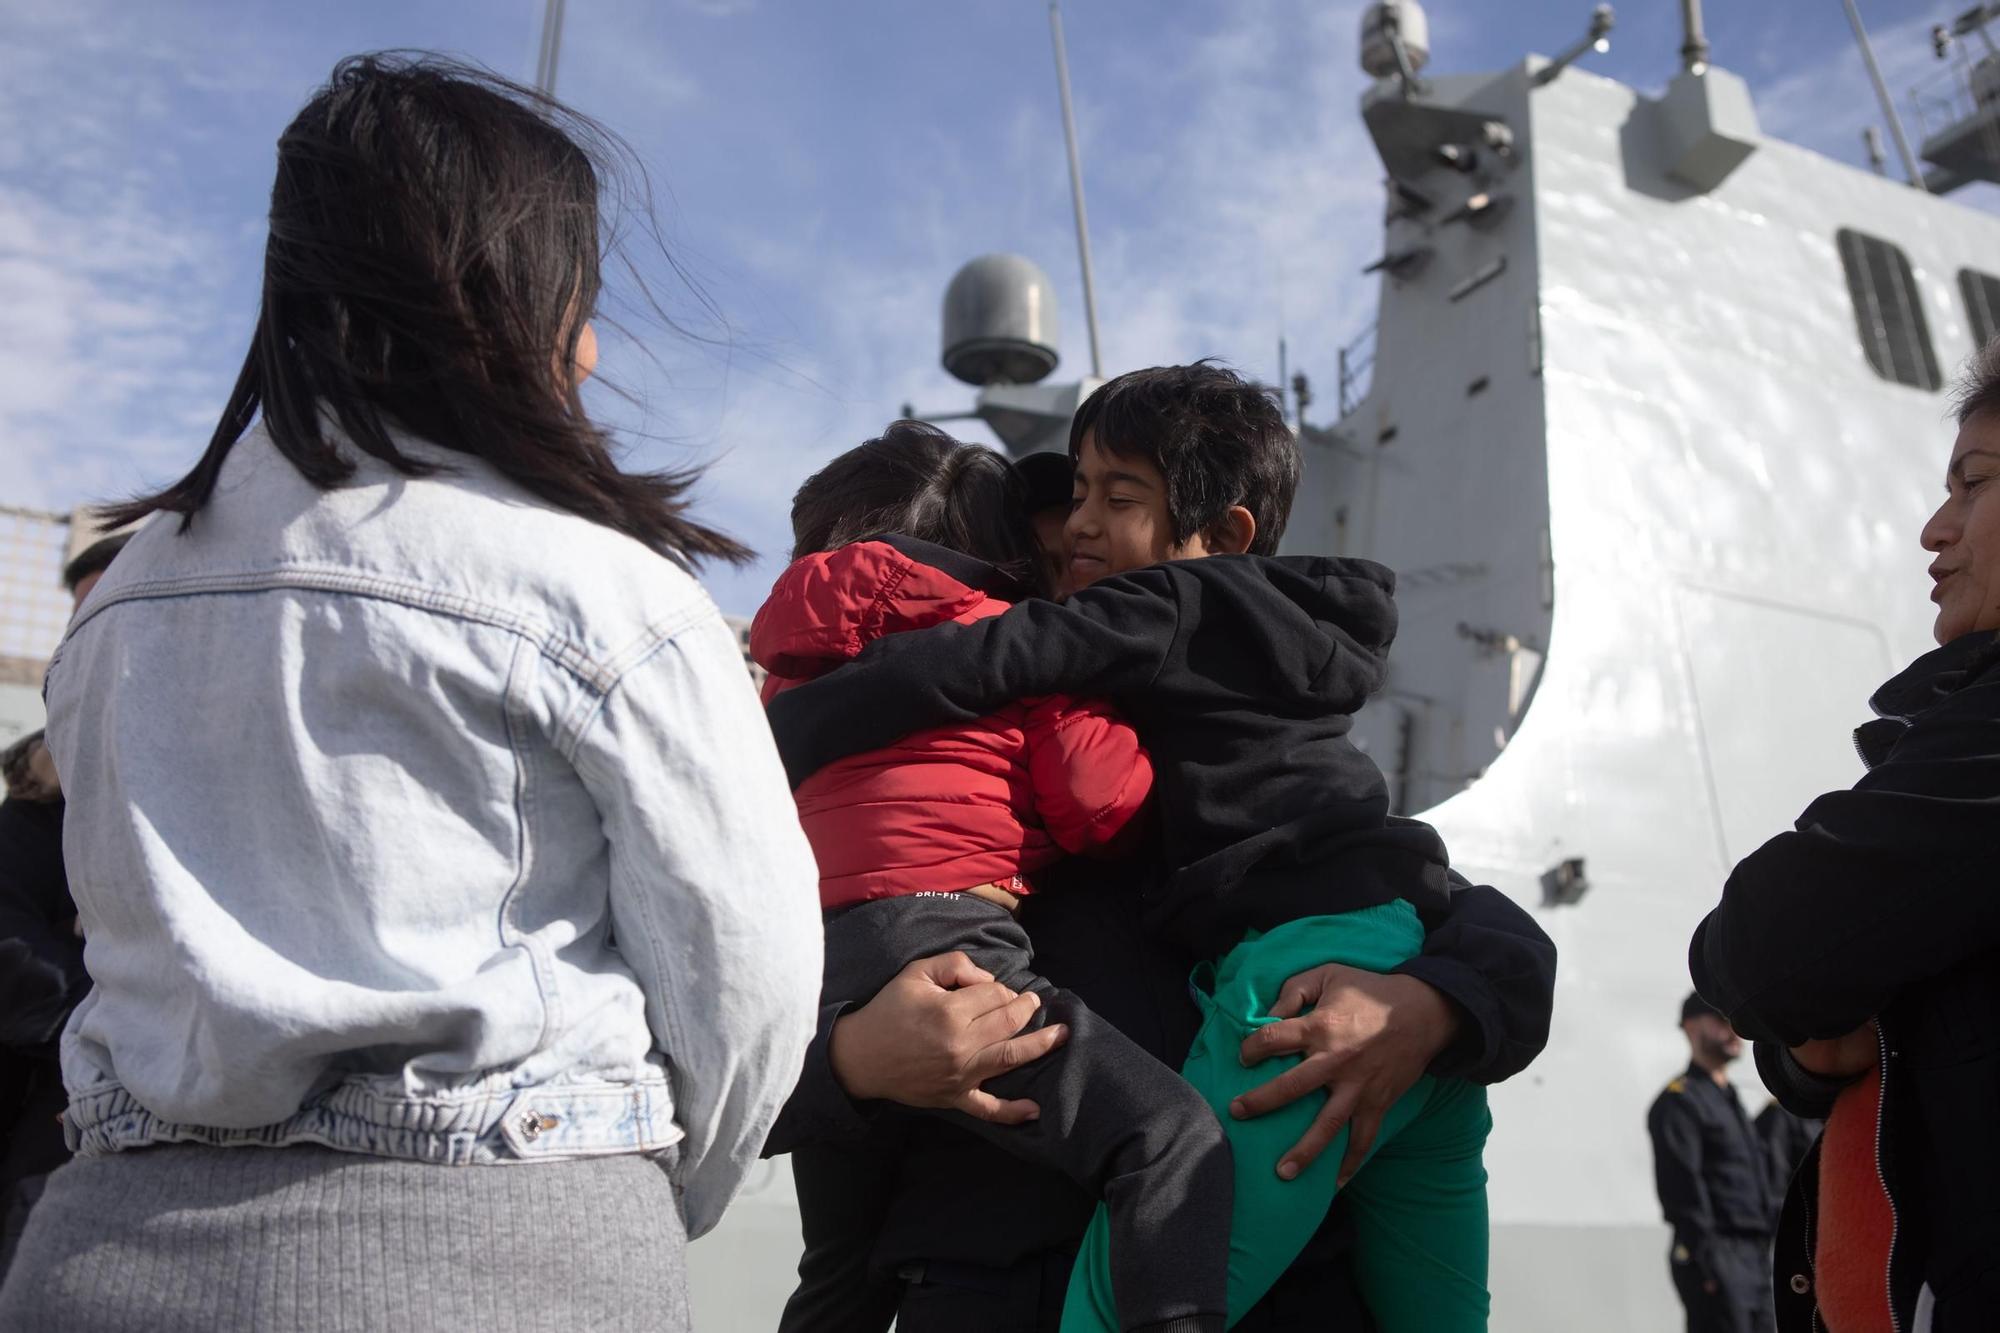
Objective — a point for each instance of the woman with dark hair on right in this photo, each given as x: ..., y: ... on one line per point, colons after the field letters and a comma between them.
x: 1863, y: 952
x: 454, y: 941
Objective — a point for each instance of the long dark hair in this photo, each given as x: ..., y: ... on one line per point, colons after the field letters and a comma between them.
x: 432, y: 260
x: 916, y: 481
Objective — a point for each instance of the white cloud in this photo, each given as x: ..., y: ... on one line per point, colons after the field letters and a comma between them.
x: 1234, y: 195
x: 114, y: 346
x: 1248, y: 214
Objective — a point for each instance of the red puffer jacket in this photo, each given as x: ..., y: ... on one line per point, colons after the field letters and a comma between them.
x: 954, y: 807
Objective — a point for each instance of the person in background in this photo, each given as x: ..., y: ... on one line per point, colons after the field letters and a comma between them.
x: 1715, y: 1183
x: 453, y: 941
x: 1861, y: 950
x: 81, y: 574
x: 41, y: 954
x: 1787, y: 1138
x: 41, y: 979
x: 1049, y: 479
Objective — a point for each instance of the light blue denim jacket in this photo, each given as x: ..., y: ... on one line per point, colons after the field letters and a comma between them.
x: 419, y: 818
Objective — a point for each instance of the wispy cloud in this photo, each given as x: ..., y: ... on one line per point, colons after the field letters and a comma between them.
x: 828, y: 175
x: 113, y: 334
x: 1234, y: 198
x: 1825, y: 103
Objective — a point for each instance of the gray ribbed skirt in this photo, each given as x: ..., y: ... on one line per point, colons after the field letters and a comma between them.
x: 225, y: 1239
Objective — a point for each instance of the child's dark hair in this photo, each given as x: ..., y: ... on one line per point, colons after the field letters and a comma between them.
x: 1218, y: 439
x: 433, y: 256
x: 916, y: 481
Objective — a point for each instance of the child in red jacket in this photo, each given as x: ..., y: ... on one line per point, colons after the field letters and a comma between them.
x: 927, y: 846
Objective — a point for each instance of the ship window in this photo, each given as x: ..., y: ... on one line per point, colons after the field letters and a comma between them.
x: 1982, y: 303
x: 1887, y: 312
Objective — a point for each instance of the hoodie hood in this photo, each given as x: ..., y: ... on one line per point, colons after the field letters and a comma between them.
x: 1325, y: 624
x: 825, y: 608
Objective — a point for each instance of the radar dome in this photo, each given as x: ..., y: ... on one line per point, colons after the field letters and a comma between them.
x: 1378, y: 56
x: 1000, y: 322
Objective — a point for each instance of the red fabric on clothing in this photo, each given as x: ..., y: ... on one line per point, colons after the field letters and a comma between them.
x: 1856, y: 1225
x: 953, y: 807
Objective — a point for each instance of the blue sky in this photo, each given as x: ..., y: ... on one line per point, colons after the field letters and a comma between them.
x: 821, y: 168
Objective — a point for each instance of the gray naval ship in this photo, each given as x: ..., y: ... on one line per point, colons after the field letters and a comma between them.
x: 1658, y: 406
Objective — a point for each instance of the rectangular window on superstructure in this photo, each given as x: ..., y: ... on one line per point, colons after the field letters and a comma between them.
x: 1888, y: 313
x: 1982, y: 304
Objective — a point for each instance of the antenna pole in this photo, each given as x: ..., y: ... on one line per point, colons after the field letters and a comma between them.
x: 1284, y: 401
x: 1075, y: 188
x: 1882, y: 95
x: 545, y: 60
x: 1694, y: 48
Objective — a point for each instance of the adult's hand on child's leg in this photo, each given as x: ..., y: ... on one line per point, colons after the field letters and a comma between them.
x: 1367, y: 1039
x: 939, y: 1029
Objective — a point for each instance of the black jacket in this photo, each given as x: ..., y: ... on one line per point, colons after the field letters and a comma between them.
x: 1884, y: 904
x: 41, y: 980
x: 963, y: 1201
x: 1710, y: 1167
x: 1242, y: 674
x: 1787, y: 1138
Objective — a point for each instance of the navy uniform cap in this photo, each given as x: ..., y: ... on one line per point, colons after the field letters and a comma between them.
x: 1694, y: 1007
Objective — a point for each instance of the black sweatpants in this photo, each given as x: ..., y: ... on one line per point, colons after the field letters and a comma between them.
x: 1114, y: 1119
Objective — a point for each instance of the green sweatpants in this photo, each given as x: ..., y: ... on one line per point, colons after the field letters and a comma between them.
x: 1418, y: 1205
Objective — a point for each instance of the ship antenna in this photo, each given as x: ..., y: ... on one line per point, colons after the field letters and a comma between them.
x: 545, y: 59
x: 1076, y: 190
x: 1882, y: 96
x: 1694, y: 50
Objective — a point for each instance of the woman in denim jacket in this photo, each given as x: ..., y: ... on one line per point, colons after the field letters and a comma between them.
x: 454, y: 939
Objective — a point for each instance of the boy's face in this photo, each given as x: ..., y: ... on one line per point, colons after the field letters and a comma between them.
x: 1118, y: 518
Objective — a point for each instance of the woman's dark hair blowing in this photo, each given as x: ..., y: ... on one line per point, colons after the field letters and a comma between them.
x: 433, y: 257
x: 916, y: 481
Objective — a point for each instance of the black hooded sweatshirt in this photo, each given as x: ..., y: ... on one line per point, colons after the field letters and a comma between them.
x: 1242, y: 674
x: 1882, y: 905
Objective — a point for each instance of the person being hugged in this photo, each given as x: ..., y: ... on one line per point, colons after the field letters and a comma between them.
x: 1280, y: 862
x: 928, y: 846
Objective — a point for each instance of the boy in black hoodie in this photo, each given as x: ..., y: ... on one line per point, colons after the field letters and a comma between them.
x: 1242, y: 672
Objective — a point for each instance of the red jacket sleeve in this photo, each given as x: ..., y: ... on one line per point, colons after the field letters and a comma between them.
x: 1091, y: 776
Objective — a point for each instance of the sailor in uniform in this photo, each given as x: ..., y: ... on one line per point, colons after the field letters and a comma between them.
x: 1715, y: 1183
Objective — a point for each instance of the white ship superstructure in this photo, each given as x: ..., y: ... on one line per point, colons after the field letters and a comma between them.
x: 1658, y: 409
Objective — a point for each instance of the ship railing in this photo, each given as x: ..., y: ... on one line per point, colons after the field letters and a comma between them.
x: 34, y: 608
x: 1357, y: 369
x: 1944, y: 98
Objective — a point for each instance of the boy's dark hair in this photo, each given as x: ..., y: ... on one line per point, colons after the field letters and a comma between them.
x: 916, y: 481
x: 1218, y: 439
x: 432, y: 258
x: 94, y: 559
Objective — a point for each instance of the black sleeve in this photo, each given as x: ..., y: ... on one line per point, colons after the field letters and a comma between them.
x: 41, y: 959
x: 1497, y: 966
x: 1108, y: 640
x: 1676, y: 1132
x: 1798, y: 1090
x: 819, y: 1110
x: 1880, y: 886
